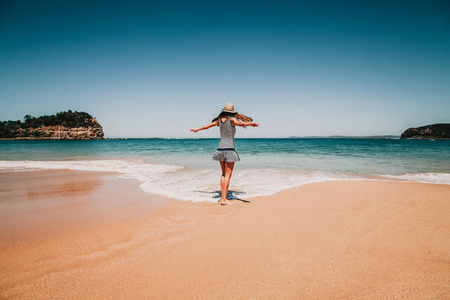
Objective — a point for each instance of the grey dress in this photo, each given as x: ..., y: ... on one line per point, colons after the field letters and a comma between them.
x: 226, y: 151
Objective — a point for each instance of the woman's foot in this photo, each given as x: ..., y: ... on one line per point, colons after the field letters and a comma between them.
x: 223, y: 201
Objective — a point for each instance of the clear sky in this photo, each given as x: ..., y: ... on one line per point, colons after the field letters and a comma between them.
x: 158, y: 68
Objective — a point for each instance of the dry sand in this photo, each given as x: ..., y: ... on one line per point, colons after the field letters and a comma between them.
x: 87, y: 235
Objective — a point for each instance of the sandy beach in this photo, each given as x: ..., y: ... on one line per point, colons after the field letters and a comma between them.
x: 87, y: 235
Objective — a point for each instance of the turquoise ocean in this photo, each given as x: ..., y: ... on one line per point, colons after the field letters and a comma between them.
x: 183, y: 168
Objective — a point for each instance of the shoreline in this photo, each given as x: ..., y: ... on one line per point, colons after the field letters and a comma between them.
x: 193, y: 189
x: 336, y: 239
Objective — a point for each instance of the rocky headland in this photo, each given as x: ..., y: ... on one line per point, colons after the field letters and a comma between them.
x: 64, y: 125
x: 435, y: 131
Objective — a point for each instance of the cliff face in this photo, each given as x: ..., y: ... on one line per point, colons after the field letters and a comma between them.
x: 435, y: 131
x: 61, y: 132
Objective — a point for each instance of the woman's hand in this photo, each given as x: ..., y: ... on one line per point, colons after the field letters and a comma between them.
x: 253, y: 124
x: 194, y: 130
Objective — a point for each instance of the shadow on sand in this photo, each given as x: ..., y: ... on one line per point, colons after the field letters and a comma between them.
x: 231, y: 195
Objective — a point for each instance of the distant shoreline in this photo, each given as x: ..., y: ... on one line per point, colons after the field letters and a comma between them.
x: 45, y: 139
x: 212, y: 138
x: 397, y: 137
x: 393, y: 137
x: 347, y: 137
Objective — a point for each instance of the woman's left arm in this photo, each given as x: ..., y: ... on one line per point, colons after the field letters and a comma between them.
x: 237, y: 122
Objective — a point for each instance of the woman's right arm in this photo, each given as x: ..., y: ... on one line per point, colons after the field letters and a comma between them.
x: 215, y: 123
x: 237, y: 122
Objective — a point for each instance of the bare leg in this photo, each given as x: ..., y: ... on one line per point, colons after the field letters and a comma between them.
x: 222, y: 178
x: 227, y: 170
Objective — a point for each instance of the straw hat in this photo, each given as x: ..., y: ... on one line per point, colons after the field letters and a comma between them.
x: 229, y: 108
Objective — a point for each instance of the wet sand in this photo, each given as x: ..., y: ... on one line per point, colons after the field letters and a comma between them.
x: 37, y: 205
x: 90, y: 235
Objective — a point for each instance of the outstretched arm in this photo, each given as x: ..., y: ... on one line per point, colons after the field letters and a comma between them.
x: 215, y: 123
x: 237, y: 122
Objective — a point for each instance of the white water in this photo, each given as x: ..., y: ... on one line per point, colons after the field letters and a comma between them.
x: 203, y: 184
x: 436, y: 178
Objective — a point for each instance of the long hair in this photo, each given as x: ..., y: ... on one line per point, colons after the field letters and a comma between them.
x: 238, y: 116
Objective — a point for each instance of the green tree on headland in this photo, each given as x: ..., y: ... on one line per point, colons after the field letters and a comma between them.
x: 68, y: 118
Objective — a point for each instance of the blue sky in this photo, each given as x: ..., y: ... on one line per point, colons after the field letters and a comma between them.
x: 158, y: 68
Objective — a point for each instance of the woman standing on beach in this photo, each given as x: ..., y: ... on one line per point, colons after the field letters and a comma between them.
x: 226, y: 154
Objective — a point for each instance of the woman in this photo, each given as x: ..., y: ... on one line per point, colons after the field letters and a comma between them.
x: 225, y: 154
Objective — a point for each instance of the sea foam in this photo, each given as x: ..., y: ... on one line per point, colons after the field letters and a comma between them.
x: 436, y: 178
x: 203, y: 184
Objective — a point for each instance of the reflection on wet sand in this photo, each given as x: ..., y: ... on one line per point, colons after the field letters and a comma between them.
x: 41, y: 204
x: 67, y: 189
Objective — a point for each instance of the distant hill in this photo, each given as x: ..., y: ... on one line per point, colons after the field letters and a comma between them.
x: 435, y: 131
x: 64, y: 125
x: 382, y: 137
